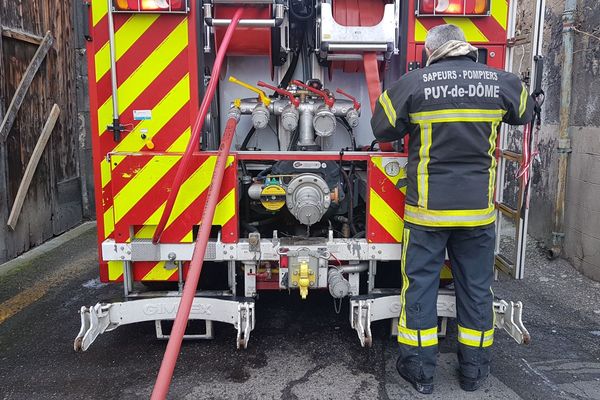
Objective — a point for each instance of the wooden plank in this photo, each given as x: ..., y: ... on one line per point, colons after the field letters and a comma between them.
x: 17, y: 100
x: 23, y: 36
x: 31, y: 166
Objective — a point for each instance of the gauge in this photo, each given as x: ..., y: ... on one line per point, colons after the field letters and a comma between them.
x: 392, y: 168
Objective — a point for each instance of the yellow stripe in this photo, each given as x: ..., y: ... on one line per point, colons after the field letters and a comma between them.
x: 164, y: 111
x: 105, y: 172
x: 405, y: 281
x: 500, y: 12
x: 391, y: 120
x: 193, y: 188
x: 181, y: 143
x: 125, y: 37
x: 146, y: 73
x: 492, y: 170
x: 390, y: 105
x: 420, y: 31
x: 109, y: 222
x: 451, y: 213
x: 115, y: 270
x: 422, y: 168
x: 463, y: 119
x: 459, y: 111
x: 99, y: 10
x: 141, y: 183
x: 386, y: 216
x: 472, y: 33
x: 225, y: 209
x: 523, y: 102
x: 159, y: 273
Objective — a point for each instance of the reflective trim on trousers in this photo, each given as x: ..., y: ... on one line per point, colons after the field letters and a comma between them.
x: 475, y: 338
x: 418, y: 337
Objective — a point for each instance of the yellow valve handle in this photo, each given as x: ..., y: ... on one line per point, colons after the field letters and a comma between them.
x: 261, y: 95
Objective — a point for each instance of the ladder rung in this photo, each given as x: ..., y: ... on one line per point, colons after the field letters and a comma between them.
x: 511, y: 155
x: 508, y: 211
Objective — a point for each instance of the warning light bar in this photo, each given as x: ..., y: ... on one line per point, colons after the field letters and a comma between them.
x: 151, y: 6
x: 456, y: 8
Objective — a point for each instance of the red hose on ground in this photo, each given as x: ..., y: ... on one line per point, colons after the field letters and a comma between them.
x: 198, y: 124
x: 163, y: 381
x: 165, y: 374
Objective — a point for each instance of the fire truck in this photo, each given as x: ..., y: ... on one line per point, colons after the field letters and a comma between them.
x: 306, y: 199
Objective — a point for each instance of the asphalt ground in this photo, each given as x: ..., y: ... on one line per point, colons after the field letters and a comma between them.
x: 299, y: 349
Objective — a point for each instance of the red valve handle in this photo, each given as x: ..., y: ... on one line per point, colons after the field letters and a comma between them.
x: 329, y: 101
x: 356, y: 103
x: 295, y: 101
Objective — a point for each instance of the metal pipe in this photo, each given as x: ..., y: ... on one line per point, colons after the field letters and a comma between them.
x: 351, y: 269
x: 163, y: 381
x: 254, y: 23
x: 307, y: 133
x: 198, y: 124
x: 564, y: 141
x: 113, y: 73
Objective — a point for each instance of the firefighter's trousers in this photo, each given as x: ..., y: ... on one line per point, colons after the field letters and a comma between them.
x: 471, y: 254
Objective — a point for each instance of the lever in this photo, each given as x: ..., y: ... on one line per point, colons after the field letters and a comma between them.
x: 329, y: 101
x: 295, y: 102
x: 261, y: 95
x: 356, y: 103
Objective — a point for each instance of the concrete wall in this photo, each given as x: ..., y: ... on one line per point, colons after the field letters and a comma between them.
x: 582, y: 213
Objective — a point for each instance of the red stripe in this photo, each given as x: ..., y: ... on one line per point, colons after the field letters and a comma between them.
x: 138, y: 53
x: 100, y: 30
x: 181, y: 226
x: 491, y: 29
x: 387, y: 191
x: 377, y: 233
x: 162, y: 140
x: 149, y: 99
x: 145, y: 207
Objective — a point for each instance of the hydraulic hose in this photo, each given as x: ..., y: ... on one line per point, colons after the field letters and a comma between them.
x: 165, y: 374
x: 198, y: 124
x: 163, y: 381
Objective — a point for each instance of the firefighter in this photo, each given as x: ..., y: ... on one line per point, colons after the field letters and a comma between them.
x: 452, y: 110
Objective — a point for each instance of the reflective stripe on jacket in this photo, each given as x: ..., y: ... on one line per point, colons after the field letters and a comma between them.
x: 452, y: 111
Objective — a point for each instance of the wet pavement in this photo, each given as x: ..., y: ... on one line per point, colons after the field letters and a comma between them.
x: 299, y: 350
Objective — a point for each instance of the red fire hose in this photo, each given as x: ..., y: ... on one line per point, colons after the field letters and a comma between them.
x: 165, y: 374
x: 197, y: 129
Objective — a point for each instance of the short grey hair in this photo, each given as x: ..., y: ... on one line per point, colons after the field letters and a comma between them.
x: 439, y: 35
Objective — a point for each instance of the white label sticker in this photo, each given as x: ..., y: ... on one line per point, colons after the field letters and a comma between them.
x: 142, y: 115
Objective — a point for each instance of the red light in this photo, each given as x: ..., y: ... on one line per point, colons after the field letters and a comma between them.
x: 150, y: 5
x: 453, y: 7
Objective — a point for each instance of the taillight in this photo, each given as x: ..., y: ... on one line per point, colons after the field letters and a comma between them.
x: 453, y: 7
x: 150, y: 5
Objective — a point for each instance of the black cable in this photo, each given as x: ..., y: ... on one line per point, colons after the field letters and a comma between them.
x: 350, y: 198
x: 349, y: 130
x: 249, y: 135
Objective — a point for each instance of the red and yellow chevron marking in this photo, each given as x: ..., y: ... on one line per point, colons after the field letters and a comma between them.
x: 490, y: 29
x: 385, y: 222
x: 155, y: 65
x: 141, y: 183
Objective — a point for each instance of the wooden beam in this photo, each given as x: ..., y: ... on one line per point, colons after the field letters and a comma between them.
x: 17, y: 100
x: 23, y: 36
x: 31, y: 167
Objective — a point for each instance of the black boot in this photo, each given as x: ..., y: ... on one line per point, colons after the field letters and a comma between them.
x: 470, y: 384
x: 420, y: 385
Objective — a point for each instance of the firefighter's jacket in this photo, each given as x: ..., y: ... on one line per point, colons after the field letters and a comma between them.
x: 452, y: 111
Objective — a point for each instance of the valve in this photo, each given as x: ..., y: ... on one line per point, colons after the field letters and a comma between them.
x: 264, y: 99
x: 356, y: 102
x: 329, y: 101
x: 295, y: 102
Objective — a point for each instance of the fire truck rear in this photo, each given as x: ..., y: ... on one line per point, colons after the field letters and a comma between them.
x: 308, y: 200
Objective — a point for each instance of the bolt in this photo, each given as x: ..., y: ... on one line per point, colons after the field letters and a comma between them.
x: 312, y: 284
x: 295, y: 283
x: 379, y: 252
x: 231, y: 247
x: 295, y: 272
